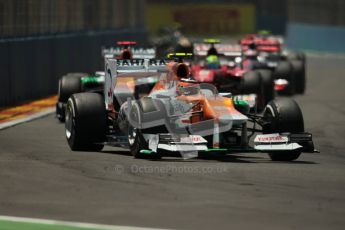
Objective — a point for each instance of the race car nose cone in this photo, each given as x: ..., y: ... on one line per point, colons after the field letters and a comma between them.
x: 235, y: 118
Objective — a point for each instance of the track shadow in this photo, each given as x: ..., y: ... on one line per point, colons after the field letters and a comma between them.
x: 123, y: 153
x: 296, y: 162
x: 208, y: 158
x: 230, y: 158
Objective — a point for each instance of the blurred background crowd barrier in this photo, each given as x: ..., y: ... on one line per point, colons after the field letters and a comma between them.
x: 308, y: 24
x: 40, y: 40
x: 44, y: 17
x: 316, y: 25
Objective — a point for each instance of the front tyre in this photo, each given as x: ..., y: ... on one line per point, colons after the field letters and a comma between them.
x: 283, y: 115
x: 284, y: 70
x: 299, y: 76
x: 268, y: 85
x: 136, y: 140
x: 85, y: 124
x: 252, y: 84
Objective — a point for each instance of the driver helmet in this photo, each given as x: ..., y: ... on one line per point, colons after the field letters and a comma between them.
x: 251, y: 52
x: 126, y: 54
x: 213, y: 62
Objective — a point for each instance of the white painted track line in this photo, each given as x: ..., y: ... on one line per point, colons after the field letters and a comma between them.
x: 71, y: 224
x: 27, y: 118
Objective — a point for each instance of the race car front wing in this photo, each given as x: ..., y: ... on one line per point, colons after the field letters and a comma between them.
x: 284, y: 142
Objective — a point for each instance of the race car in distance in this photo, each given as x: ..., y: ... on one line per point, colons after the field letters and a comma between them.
x: 83, y: 82
x: 224, y: 66
x: 171, y: 39
x: 289, y: 66
x: 172, y: 115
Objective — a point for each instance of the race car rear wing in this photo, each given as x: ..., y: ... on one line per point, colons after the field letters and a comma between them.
x: 113, y: 67
x: 140, y: 65
x: 230, y: 50
x: 137, y: 52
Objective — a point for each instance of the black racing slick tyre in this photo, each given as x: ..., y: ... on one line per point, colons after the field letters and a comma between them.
x: 77, y: 75
x: 252, y: 83
x: 136, y: 140
x: 283, y: 115
x: 284, y: 70
x: 68, y: 85
x: 296, y: 55
x: 153, y: 116
x: 302, y: 57
x: 299, y: 76
x: 268, y: 84
x: 85, y: 124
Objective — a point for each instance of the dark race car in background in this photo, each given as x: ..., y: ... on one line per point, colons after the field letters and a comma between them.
x: 289, y: 66
x: 171, y: 39
x: 82, y: 82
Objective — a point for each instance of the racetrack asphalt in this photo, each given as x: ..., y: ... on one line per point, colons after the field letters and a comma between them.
x: 40, y: 177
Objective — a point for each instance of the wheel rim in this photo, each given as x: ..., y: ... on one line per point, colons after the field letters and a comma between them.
x: 68, y: 122
x: 132, y: 133
x: 269, y: 117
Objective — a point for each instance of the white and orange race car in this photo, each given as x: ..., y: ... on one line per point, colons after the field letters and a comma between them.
x: 152, y: 108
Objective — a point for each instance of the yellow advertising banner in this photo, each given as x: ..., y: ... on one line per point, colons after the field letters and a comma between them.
x: 203, y: 19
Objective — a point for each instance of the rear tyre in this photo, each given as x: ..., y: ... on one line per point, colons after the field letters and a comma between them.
x: 85, y: 124
x: 299, y: 76
x: 292, y: 55
x: 296, y: 55
x: 60, y: 111
x: 68, y: 85
x: 283, y: 115
x: 77, y: 75
x: 251, y: 83
x: 284, y: 70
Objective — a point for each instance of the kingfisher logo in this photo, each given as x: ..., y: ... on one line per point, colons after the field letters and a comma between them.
x: 271, y: 138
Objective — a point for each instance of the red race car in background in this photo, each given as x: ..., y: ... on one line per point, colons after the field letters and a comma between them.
x: 288, y: 66
x: 222, y: 65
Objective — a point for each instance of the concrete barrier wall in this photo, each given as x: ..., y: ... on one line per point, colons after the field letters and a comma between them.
x: 316, y: 37
x: 30, y: 67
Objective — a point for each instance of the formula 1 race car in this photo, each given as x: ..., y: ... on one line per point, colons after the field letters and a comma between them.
x: 289, y: 66
x: 171, y: 39
x: 83, y: 82
x: 178, y: 117
x: 224, y: 65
